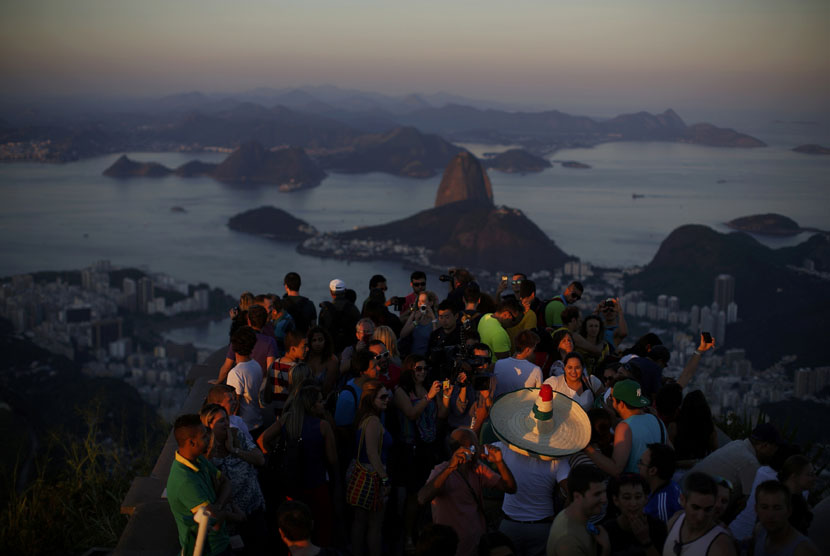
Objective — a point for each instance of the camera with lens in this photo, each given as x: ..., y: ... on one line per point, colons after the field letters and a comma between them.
x: 398, y: 303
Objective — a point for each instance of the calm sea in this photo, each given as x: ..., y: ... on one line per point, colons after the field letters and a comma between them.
x: 68, y: 216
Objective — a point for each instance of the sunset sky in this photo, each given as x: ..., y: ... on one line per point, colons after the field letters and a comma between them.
x: 601, y: 56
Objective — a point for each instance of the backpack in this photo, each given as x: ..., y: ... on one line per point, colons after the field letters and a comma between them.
x: 341, y: 328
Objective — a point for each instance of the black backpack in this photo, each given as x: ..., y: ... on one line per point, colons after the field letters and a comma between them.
x: 341, y: 328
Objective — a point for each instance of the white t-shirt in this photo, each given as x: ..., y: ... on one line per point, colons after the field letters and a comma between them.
x: 246, y: 378
x: 536, y: 482
x: 585, y: 399
x: 743, y: 525
x: 514, y: 374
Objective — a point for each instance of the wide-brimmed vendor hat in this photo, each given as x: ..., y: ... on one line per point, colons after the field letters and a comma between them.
x: 540, y: 422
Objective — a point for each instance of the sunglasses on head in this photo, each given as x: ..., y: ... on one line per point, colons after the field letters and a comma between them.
x: 723, y: 482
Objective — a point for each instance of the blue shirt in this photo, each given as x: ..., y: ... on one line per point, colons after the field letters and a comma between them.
x: 346, y: 407
x: 664, y: 502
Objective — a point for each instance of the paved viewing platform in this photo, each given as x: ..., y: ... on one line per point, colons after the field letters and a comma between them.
x: 151, y: 530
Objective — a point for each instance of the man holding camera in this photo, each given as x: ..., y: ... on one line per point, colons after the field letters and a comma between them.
x: 418, y: 282
x: 455, y: 487
x: 471, y: 395
x: 616, y: 329
x: 444, y: 342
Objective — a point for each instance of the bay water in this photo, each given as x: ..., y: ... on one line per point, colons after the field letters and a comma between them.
x: 59, y: 217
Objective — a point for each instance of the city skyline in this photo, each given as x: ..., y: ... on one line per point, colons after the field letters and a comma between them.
x: 603, y: 58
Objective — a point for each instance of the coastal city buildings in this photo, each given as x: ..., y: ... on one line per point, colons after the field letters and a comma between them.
x: 89, y: 322
x: 101, y: 316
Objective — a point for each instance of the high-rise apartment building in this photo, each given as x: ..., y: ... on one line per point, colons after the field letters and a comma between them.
x: 724, y: 290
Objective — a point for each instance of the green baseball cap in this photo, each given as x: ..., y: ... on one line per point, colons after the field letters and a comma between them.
x: 629, y: 391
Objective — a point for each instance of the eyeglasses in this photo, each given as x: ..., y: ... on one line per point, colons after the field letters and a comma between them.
x: 420, y: 367
x: 381, y: 356
x: 724, y: 482
x: 416, y: 284
x: 516, y: 282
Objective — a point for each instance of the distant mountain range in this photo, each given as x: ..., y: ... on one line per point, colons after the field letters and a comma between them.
x: 329, y: 121
x: 404, y: 151
x: 776, y: 297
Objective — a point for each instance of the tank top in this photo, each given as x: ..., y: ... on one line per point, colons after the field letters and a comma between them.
x: 425, y: 423
x: 698, y: 547
x: 386, y: 443
x: 645, y: 429
x: 786, y: 550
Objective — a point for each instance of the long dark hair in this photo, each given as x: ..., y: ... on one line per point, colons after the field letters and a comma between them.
x: 557, y: 338
x: 328, y: 343
x: 694, y: 427
x: 407, y: 381
x: 583, y: 329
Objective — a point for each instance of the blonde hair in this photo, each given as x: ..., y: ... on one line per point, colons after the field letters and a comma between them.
x: 298, y: 374
x: 209, y: 411
x: 387, y: 336
x: 245, y: 301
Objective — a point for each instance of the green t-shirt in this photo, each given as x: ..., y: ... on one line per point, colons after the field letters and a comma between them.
x: 190, y: 486
x: 553, y: 312
x: 492, y: 334
x: 570, y: 538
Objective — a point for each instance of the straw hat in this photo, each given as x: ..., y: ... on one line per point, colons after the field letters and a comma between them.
x: 540, y: 422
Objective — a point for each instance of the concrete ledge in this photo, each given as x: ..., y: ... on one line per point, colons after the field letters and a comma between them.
x: 151, y: 530
x: 141, y: 490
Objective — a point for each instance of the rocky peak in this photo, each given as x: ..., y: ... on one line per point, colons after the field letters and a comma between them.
x: 464, y: 179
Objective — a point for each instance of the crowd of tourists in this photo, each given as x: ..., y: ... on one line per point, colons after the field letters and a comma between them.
x: 451, y: 420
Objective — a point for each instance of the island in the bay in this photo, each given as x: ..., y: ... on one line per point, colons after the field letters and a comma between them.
x: 272, y: 223
x: 812, y: 149
x: 289, y: 168
x: 463, y: 228
x: 769, y: 224
x: 515, y: 161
